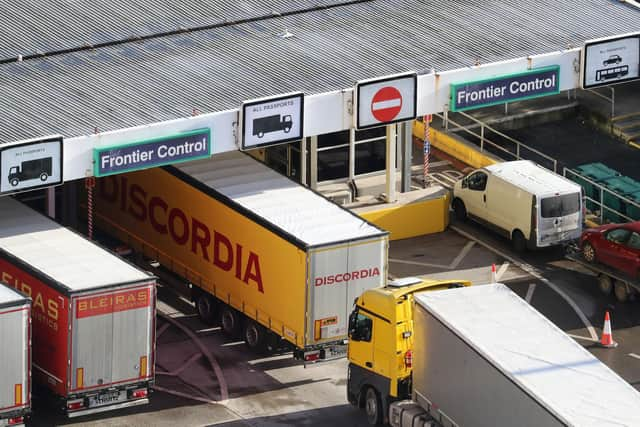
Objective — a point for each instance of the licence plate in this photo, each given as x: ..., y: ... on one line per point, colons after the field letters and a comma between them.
x: 107, y: 398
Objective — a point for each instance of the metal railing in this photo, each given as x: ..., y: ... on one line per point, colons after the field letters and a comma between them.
x: 517, y: 148
x: 603, y: 211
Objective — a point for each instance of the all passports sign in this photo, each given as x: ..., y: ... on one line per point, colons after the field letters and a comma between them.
x: 150, y: 153
x: 270, y: 121
x: 515, y: 87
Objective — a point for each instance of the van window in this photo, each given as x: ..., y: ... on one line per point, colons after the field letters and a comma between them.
x: 556, y: 206
x: 477, y: 181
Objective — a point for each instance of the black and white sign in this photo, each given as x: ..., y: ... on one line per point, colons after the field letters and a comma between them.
x: 611, y: 60
x: 270, y: 121
x: 384, y: 101
x: 31, y: 164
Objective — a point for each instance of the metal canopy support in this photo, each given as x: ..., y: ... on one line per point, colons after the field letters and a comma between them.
x: 390, y: 193
x: 303, y: 161
x: 314, y: 162
x: 51, y: 202
x: 406, y: 137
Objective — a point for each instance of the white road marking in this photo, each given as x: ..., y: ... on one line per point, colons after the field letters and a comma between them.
x: 532, y: 271
x: 578, y: 337
x: 532, y: 287
x: 463, y: 253
x: 454, y: 174
x: 635, y: 356
x: 425, y: 264
x: 501, y: 270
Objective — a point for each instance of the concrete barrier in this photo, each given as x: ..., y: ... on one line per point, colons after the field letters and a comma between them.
x: 410, y: 218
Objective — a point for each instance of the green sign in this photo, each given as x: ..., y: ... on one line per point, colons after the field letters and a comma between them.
x: 499, y: 90
x: 178, y: 148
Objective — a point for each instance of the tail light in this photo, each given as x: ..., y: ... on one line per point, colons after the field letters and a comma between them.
x: 312, y: 357
x: 139, y: 393
x: 408, y: 359
x: 73, y: 405
x: 16, y: 421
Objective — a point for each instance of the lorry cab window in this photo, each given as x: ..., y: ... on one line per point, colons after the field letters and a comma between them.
x: 360, y: 327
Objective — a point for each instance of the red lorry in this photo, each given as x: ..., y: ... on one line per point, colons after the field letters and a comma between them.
x: 93, y: 313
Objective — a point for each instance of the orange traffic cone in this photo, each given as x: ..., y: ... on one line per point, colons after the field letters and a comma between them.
x: 607, y: 340
x: 493, y: 273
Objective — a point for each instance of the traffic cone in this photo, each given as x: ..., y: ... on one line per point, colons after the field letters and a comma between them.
x: 493, y: 273
x: 607, y: 339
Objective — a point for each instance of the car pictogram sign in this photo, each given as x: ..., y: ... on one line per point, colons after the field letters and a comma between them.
x: 386, y: 100
x: 386, y: 104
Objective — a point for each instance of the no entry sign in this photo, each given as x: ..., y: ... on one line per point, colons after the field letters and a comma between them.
x: 386, y: 100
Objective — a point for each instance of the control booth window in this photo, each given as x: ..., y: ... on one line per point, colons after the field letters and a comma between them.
x: 333, y: 156
x: 371, y: 150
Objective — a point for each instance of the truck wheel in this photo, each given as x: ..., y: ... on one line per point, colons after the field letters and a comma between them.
x: 459, y: 210
x: 260, y: 134
x: 588, y: 252
x: 43, y: 176
x: 207, y: 308
x: 519, y: 242
x: 605, y: 284
x: 620, y: 290
x: 255, y: 336
x: 15, y: 181
x: 373, y: 407
x: 230, y: 320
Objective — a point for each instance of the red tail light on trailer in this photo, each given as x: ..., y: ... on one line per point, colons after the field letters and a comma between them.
x: 15, y: 421
x: 139, y: 393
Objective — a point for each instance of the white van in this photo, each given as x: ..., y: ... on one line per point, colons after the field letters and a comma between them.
x: 531, y: 205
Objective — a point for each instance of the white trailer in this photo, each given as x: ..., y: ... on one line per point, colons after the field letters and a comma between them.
x: 483, y: 357
x: 93, y: 313
x: 15, y: 357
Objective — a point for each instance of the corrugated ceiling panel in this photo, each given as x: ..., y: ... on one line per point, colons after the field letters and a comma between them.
x: 212, y: 70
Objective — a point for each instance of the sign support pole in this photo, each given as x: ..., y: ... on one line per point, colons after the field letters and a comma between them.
x: 426, y: 150
x: 391, y: 164
x: 89, y: 183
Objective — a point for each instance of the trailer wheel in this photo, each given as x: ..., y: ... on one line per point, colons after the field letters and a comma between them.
x: 519, y: 242
x: 43, y: 176
x: 621, y: 291
x: 230, y: 320
x: 604, y: 284
x: 373, y: 407
x: 459, y: 210
x: 207, y: 308
x: 15, y: 181
x: 588, y: 252
x: 255, y: 336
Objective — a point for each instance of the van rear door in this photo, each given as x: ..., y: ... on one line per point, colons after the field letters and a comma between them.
x: 559, y: 218
x: 112, y: 337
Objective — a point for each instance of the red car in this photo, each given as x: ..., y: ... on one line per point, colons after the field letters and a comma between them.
x: 614, y: 245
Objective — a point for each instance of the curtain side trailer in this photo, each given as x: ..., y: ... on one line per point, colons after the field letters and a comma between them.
x: 15, y: 357
x: 93, y: 313
x: 484, y: 357
x: 268, y: 258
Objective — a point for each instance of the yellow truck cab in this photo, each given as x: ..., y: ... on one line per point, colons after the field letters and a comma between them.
x: 381, y: 343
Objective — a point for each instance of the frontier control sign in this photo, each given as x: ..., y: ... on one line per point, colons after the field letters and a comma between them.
x: 515, y: 87
x: 172, y: 149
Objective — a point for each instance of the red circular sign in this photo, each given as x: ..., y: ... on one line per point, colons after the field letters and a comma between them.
x: 386, y: 104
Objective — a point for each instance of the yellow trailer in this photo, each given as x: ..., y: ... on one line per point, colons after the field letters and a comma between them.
x: 264, y: 255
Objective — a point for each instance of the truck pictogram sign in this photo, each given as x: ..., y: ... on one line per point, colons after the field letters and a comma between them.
x: 270, y: 121
x: 31, y: 164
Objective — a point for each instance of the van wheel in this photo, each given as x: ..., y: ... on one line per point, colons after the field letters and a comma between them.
x: 255, y: 336
x: 604, y: 284
x: 519, y: 242
x: 459, y: 210
x: 373, y: 407
x: 230, y: 321
x: 588, y: 252
x: 620, y: 290
x: 207, y: 308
